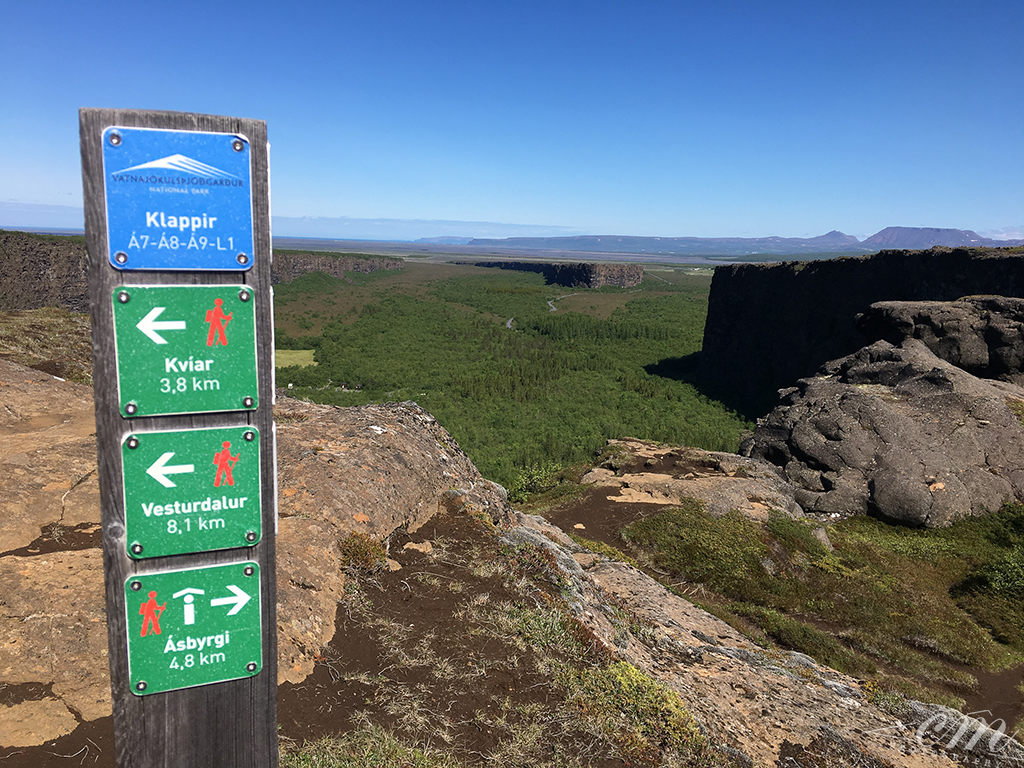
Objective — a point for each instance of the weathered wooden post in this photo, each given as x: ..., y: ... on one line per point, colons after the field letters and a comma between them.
x: 177, y: 222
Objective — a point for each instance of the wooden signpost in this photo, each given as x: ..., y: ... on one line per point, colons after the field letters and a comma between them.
x: 177, y: 220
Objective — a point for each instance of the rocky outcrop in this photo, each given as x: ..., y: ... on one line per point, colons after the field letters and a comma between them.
x: 898, y: 432
x: 341, y: 470
x: 771, y: 324
x: 722, y: 482
x: 771, y: 706
x: 287, y: 266
x: 983, y: 335
x: 37, y: 271
x: 576, y: 275
x: 345, y: 470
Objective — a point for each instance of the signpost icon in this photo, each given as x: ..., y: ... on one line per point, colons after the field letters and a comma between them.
x: 193, y: 626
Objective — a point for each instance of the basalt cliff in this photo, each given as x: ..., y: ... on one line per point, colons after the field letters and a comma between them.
x: 771, y: 324
x: 576, y: 274
x: 47, y: 271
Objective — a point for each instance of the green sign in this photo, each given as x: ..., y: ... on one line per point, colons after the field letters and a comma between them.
x: 191, y: 490
x: 185, y: 349
x: 193, y: 626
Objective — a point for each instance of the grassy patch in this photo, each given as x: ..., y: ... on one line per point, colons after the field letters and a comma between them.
x: 907, y: 607
x: 299, y: 357
x: 600, y: 548
x: 642, y: 717
x: 724, y: 552
x: 362, y: 553
x: 497, y: 671
x: 369, y: 746
x: 52, y: 340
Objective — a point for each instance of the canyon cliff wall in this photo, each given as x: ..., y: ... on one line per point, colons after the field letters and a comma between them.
x: 771, y: 324
x: 288, y: 266
x: 576, y: 274
x: 50, y: 271
x: 38, y: 271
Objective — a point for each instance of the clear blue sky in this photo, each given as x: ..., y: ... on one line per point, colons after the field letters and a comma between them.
x: 633, y: 117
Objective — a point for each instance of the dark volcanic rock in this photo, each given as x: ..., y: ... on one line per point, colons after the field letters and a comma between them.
x: 578, y: 274
x: 40, y: 272
x: 771, y: 324
x: 984, y: 335
x: 288, y: 266
x: 898, y: 432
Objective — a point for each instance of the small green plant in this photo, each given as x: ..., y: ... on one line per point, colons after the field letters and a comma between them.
x: 888, y: 700
x: 1017, y: 406
x: 362, y: 553
x: 600, y: 548
x: 645, y: 719
x: 532, y: 480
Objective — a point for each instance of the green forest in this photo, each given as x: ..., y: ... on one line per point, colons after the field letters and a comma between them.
x: 541, y: 392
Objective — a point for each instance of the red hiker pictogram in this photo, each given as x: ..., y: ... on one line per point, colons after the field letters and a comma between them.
x: 225, y: 463
x: 217, y: 320
x: 150, y: 612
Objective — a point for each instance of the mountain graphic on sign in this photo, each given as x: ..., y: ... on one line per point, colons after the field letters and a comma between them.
x: 181, y: 163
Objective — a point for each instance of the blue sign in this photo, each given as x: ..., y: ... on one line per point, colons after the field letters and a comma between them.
x: 177, y: 200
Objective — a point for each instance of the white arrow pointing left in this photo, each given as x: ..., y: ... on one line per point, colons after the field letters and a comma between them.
x: 159, y: 470
x: 149, y: 325
x: 239, y: 599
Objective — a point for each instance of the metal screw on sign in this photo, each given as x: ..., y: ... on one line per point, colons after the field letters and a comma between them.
x: 136, y: 586
x: 121, y: 257
x: 250, y: 536
x: 131, y: 409
x: 141, y: 685
x: 246, y: 401
x: 248, y: 570
x: 243, y: 295
x: 249, y: 436
x: 238, y: 145
x: 133, y: 443
x: 251, y: 666
x: 123, y: 297
x: 114, y: 139
x: 242, y: 258
x: 136, y: 549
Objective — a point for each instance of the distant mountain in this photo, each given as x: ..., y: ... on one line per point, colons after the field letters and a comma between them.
x: 444, y: 240
x: 703, y: 246
x: 926, y: 237
x: 833, y: 242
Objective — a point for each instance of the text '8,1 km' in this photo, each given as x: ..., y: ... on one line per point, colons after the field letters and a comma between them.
x: 191, y: 490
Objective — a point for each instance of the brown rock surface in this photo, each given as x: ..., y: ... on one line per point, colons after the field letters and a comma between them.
x: 722, y: 481
x: 341, y: 470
